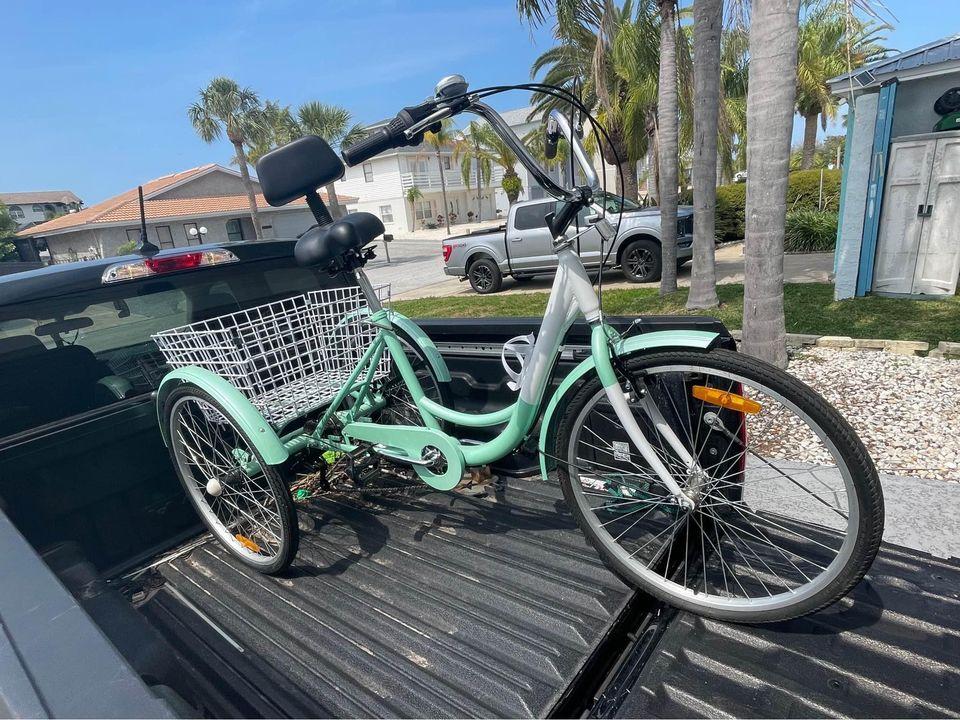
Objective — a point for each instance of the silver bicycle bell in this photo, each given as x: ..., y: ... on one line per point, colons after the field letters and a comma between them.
x: 451, y: 86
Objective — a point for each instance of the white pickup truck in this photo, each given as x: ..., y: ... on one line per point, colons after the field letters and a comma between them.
x: 523, y: 247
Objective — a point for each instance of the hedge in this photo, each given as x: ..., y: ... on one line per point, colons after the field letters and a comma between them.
x: 810, y: 231
x: 803, y: 191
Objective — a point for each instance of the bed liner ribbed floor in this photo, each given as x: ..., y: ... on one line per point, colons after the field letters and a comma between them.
x: 890, y: 649
x: 420, y: 605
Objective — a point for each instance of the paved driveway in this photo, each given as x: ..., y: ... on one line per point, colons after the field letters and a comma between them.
x: 416, y: 270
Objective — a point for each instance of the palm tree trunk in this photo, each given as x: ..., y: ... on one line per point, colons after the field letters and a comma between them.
x: 336, y: 209
x: 770, y: 108
x: 668, y: 145
x: 479, y: 192
x: 248, y: 184
x: 809, y: 140
x: 443, y: 188
x: 707, y: 21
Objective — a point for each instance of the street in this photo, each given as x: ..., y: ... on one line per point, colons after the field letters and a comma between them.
x: 416, y: 270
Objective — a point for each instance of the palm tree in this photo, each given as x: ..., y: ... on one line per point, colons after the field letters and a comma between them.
x: 611, y: 74
x: 668, y: 145
x: 734, y: 74
x: 825, y: 38
x: 707, y: 23
x: 282, y: 128
x: 469, y: 151
x: 502, y: 154
x: 770, y: 109
x: 441, y: 138
x: 412, y: 195
x: 226, y: 107
x: 334, y: 124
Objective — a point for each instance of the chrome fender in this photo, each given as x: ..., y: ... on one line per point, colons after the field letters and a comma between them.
x: 648, y: 342
x: 241, y: 411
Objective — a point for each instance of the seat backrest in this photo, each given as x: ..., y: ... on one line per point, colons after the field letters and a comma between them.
x: 297, y: 169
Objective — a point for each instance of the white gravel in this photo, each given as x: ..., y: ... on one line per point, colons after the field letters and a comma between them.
x: 905, y: 409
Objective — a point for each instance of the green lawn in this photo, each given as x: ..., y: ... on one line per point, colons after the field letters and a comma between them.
x: 809, y: 309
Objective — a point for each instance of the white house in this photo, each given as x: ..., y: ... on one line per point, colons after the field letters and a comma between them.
x: 30, y: 208
x: 381, y: 185
x: 202, y: 204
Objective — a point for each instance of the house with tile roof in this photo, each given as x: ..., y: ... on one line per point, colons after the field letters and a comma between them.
x: 33, y: 208
x: 201, y: 205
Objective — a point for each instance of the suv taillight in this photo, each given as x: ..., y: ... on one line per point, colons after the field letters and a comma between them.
x: 447, y: 250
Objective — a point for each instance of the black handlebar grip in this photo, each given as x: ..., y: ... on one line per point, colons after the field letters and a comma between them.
x: 373, y: 144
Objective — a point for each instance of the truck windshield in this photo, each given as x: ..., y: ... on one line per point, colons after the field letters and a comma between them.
x: 68, y: 355
x: 615, y: 203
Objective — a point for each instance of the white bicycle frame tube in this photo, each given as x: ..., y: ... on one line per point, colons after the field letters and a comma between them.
x: 572, y: 292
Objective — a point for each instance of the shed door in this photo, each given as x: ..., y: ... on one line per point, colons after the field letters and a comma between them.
x: 898, y: 240
x: 938, y: 263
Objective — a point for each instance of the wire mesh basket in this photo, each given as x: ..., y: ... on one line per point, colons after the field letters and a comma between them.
x: 287, y: 357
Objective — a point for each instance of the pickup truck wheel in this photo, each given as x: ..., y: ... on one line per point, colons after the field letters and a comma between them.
x: 485, y: 277
x: 641, y: 261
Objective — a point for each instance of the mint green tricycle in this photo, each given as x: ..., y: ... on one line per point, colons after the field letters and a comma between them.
x: 712, y: 480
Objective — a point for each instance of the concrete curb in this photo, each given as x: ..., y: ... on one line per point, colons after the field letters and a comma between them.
x: 945, y: 349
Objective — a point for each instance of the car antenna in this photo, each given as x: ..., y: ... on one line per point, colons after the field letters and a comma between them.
x: 146, y: 247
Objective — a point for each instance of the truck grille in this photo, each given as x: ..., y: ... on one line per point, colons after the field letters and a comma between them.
x: 685, y: 225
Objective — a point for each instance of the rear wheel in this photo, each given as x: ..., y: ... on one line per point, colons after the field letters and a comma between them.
x: 788, y: 510
x: 484, y: 275
x: 244, y: 502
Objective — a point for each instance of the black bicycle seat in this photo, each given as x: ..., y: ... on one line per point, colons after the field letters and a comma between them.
x: 320, y: 246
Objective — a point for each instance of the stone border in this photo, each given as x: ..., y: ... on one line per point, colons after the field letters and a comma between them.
x: 944, y: 349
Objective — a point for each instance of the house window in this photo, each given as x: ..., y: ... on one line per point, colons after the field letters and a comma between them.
x: 38, y: 208
x: 234, y: 230
x: 368, y: 172
x: 15, y: 212
x: 194, y: 237
x: 164, y: 236
x: 133, y: 235
x: 446, y: 162
x: 386, y: 213
x: 423, y: 210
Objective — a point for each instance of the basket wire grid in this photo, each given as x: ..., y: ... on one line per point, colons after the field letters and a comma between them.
x: 288, y: 357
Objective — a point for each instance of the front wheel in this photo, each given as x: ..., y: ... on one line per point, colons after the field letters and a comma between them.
x: 788, y: 511
x: 243, y: 501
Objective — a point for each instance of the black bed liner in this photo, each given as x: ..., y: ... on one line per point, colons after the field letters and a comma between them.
x: 424, y: 605
x: 428, y: 604
x: 890, y: 649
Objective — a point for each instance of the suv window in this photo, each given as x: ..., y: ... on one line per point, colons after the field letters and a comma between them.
x: 67, y: 355
x: 530, y: 217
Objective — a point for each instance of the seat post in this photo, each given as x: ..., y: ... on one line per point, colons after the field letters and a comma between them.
x: 369, y: 294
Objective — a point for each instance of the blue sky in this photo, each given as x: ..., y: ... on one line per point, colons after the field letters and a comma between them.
x: 96, y: 92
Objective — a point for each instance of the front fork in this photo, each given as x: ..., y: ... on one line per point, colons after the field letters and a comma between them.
x: 601, y: 350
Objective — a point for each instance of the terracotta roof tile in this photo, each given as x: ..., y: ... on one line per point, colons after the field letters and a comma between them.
x: 125, y: 206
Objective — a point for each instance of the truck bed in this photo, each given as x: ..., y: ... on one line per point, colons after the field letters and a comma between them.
x: 407, y: 603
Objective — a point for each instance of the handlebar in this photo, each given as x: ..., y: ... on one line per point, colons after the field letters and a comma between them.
x: 408, y: 127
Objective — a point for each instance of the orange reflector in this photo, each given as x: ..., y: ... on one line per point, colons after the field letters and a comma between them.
x: 247, y: 543
x: 726, y: 399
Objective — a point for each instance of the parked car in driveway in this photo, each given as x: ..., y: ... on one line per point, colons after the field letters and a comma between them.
x: 523, y: 248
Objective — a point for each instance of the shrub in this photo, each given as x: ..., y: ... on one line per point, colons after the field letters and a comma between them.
x: 127, y: 248
x: 731, y: 200
x: 810, y: 231
x: 803, y: 192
